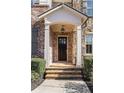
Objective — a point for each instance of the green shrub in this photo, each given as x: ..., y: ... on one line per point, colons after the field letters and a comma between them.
x: 88, y: 69
x: 38, y: 65
x: 34, y: 75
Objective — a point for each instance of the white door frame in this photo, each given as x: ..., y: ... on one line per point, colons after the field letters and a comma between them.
x: 47, y: 52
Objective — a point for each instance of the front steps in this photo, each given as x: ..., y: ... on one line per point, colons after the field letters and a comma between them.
x: 63, y: 72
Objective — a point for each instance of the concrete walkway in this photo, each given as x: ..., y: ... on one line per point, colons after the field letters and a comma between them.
x: 62, y: 86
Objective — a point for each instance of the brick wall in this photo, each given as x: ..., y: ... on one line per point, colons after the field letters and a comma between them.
x: 35, y: 11
x: 39, y: 50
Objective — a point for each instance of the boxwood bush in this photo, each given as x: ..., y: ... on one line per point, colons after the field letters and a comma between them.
x: 38, y: 65
x: 88, y: 69
x: 34, y: 75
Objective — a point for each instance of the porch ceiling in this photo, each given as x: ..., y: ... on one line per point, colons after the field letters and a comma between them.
x: 67, y: 27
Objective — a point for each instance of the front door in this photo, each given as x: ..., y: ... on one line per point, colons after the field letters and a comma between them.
x: 62, y: 48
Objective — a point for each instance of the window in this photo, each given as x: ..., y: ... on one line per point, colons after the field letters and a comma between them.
x: 89, y: 8
x: 89, y: 43
x: 78, y: 1
x: 90, y: 12
x: 35, y: 1
x: 46, y: 2
x: 43, y: 1
x: 61, y: 1
x: 88, y: 49
x: 34, y: 40
x: 90, y: 4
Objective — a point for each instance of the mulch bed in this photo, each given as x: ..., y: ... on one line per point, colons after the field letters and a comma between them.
x: 90, y: 85
x: 36, y: 83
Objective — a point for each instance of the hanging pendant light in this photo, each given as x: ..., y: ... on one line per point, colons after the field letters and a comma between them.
x: 62, y: 29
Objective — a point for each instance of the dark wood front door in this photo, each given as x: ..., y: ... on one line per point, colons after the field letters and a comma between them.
x: 62, y: 48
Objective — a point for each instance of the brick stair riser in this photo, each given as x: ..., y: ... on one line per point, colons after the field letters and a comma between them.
x: 63, y: 73
x: 66, y: 72
x: 47, y: 76
x: 69, y: 78
x: 63, y: 69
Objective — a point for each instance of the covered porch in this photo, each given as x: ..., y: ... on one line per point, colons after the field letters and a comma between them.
x: 63, y: 36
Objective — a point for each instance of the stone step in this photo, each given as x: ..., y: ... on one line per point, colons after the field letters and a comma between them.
x: 63, y: 68
x: 63, y: 71
x: 62, y: 65
x: 58, y: 76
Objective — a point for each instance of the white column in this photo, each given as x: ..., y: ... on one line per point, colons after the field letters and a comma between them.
x: 79, y: 51
x: 50, y: 3
x: 47, y: 43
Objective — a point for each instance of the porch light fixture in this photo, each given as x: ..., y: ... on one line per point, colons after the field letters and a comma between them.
x: 62, y: 29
